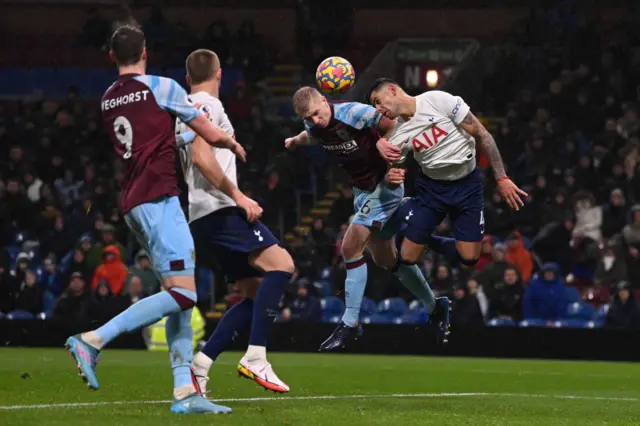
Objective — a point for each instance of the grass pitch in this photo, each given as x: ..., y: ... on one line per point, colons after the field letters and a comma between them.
x: 41, y: 387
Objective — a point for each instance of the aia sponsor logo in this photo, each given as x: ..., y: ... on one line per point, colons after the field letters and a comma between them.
x: 429, y: 138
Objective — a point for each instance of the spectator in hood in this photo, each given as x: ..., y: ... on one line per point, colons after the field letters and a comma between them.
x: 494, y: 271
x: 70, y: 306
x: 631, y: 232
x: 519, y: 256
x: 623, y: 313
x: 29, y: 297
x: 112, y: 270
x: 142, y: 269
x: 507, y: 301
x: 546, y: 295
x: 468, y: 311
x: 94, y: 257
x: 486, y: 256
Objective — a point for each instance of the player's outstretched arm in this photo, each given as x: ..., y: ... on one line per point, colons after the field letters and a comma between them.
x: 300, y: 139
x: 216, y: 137
x: 510, y: 192
x: 207, y: 163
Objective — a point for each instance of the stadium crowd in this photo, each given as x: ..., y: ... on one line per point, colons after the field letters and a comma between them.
x: 569, y: 135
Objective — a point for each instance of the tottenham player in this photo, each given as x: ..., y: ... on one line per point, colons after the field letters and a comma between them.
x: 349, y: 131
x: 442, y: 132
x: 137, y: 112
x: 224, y: 224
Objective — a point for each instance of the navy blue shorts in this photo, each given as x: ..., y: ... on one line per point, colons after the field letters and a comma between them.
x: 228, y: 238
x: 462, y: 200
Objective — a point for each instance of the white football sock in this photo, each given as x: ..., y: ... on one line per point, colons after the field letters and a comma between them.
x: 256, y: 352
x: 201, y: 364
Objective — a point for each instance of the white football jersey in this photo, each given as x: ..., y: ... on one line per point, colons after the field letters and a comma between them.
x: 205, y: 198
x: 444, y: 151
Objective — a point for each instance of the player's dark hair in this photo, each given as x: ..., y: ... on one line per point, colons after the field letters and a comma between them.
x: 378, y: 84
x: 127, y: 44
x: 202, y: 65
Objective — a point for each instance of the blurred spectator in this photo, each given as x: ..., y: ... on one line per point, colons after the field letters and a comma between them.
x: 519, y: 256
x: 17, y: 204
x: 112, y: 270
x: 507, y: 301
x: 9, y: 285
x: 468, y: 311
x: 103, y: 305
x: 474, y: 289
x: 631, y: 232
x: 51, y: 278
x: 58, y: 240
x: 614, y: 214
x: 21, y: 266
x: 96, y: 30
x: 321, y: 240
x: 304, y: 306
x: 486, y: 256
x: 234, y: 296
x: 612, y: 267
x: 342, y: 208
x: 493, y: 273
x: 69, y: 306
x: 623, y: 313
x: 134, y: 289
x: 77, y: 264
x: 443, y: 281
x: 633, y: 264
x: 142, y: 269
x: 588, y: 217
x: 94, y: 257
x: 546, y: 295
x: 29, y: 297
x: 552, y: 244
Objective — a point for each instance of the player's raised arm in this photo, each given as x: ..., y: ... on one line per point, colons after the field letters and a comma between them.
x: 302, y: 138
x: 510, y: 192
x: 205, y: 160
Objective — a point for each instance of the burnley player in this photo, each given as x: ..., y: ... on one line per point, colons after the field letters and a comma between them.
x: 224, y: 224
x: 442, y: 132
x: 137, y: 112
x: 349, y: 131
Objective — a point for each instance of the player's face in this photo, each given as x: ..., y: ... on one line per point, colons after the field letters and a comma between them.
x: 319, y: 112
x: 386, y: 101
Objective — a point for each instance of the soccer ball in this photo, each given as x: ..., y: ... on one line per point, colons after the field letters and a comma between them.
x: 335, y: 75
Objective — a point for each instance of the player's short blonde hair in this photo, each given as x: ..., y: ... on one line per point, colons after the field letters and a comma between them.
x: 202, y: 65
x: 302, y: 98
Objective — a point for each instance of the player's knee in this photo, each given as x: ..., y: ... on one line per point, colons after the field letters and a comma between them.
x: 467, y: 260
x: 285, y: 262
x: 352, y: 251
x: 410, y: 258
x: 186, y: 299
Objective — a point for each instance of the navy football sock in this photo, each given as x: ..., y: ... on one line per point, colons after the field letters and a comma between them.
x: 266, y: 305
x: 235, y: 320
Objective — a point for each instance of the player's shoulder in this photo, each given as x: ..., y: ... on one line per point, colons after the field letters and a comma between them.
x: 355, y: 114
x: 434, y: 96
x: 156, y: 81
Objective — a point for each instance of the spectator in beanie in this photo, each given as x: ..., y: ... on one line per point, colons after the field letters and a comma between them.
x: 142, y: 269
x: 507, y: 302
x: 102, y: 305
x: 631, y: 232
x: 623, y: 313
x: 112, y: 270
x: 494, y: 271
x: 468, y: 312
x: 546, y: 295
x: 612, y: 267
x: 20, y: 268
x: 519, y: 256
x: 29, y: 297
x: 94, y: 257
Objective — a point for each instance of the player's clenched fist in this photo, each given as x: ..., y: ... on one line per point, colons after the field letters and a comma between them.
x: 388, y: 151
x: 252, y: 208
x: 290, y: 143
x: 395, y: 176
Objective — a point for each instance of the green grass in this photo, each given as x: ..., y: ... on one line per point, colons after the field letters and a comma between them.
x: 499, y: 392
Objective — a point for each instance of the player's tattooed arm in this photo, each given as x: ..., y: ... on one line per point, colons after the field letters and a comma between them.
x: 475, y: 128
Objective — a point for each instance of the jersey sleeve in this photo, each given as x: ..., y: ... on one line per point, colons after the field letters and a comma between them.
x: 450, y: 106
x: 170, y: 96
x: 357, y: 115
x: 214, y: 110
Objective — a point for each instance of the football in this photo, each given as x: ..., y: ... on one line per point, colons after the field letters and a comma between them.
x: 335, y: 75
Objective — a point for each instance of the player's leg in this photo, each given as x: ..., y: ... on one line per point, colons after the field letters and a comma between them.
x: 385, y: 255
x: 236, y: 320
x: 468, y: 222
x: 277, y: 268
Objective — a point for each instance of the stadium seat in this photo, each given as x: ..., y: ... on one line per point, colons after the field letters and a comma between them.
x: 380, y: 319
x: 19, y: 315
x: 418, y: 316
x: 571, y: 323
x: 602, y: 312
x: 573, y: 295
x: 580, y: 310
x: 415, y: 305
x: 502, y: 322
x: 333, y: 305
x: 533, y: 322
x: 325, y: 274
x: 368, y: 308
x: 394, y: 307
x: 595, y: 324
x: 330, y: 318
x: 323, y: 287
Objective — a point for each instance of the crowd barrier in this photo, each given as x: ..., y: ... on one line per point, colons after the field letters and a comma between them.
x: 508, y: 342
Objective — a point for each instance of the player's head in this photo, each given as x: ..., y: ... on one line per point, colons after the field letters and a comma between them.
x: 202, y: 66
x: 386, y: 96
x: 127, y: 46
x: 311, y: 106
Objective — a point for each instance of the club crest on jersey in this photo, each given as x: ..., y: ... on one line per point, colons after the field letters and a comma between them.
x: 343, y: 148
x: 204, y: 109
x: 343, y: 134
